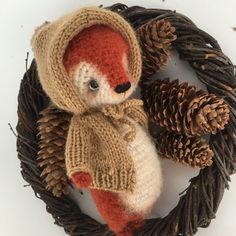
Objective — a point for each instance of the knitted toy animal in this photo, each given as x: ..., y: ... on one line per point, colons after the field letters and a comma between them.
x: 89, y: 63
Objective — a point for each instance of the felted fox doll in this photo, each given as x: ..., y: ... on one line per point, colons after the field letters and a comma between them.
x: 89, y: 63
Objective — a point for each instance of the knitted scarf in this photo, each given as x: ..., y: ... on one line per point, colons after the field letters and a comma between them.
x: 95, y: 146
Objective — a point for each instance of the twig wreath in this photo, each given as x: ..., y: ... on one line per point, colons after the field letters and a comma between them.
x: 199, y: 202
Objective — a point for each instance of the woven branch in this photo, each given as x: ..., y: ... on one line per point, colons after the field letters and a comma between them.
x: 199, y: 203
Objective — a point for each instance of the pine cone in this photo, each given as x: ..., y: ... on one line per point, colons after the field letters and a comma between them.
x: 180, y: 148
x: 155, y: 38
x: 53, y: 127
x: 208, y: 112
x: 180, y: 108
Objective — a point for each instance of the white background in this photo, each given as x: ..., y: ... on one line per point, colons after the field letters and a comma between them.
x: 21, y: 213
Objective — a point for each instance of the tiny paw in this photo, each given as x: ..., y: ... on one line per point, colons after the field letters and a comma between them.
x: 81, y: 179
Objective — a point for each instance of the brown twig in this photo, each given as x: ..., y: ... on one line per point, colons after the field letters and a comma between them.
x: 26, y: 61
x: 14, y: 133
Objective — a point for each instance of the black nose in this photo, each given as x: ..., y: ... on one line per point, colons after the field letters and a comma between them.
x: 121, y: 88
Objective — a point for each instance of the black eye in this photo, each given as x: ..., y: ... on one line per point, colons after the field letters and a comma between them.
x: 93, y: 84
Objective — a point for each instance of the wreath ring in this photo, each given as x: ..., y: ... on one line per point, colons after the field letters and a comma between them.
x: 199, y: 203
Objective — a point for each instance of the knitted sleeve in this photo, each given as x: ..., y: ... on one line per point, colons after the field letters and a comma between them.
x: 77, y: 152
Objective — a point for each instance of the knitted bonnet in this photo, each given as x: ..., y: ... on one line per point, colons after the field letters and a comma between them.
x: 51, y: 40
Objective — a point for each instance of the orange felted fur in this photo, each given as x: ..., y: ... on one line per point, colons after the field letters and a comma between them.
x: 102, y: 46
x: 106, y: 49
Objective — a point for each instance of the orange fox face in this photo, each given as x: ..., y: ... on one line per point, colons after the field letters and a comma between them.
x: 97, y: 62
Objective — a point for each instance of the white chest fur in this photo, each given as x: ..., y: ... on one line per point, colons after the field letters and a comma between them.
x: 148, y: 173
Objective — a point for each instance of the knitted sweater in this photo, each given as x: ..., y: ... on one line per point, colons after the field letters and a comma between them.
x: 93, y: 143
